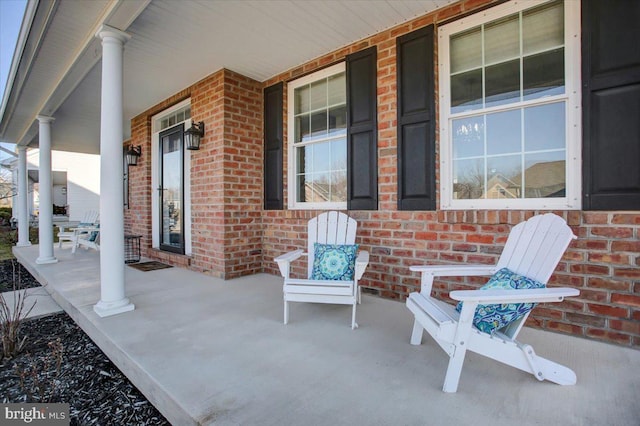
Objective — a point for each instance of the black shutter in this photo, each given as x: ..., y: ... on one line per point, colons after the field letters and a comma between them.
x: 273, y: 144
x: 362, y: 128
x: 416, y: 121
x: 611, y: 104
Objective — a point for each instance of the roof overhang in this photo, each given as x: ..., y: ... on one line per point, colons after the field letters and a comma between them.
x: 56, y: 68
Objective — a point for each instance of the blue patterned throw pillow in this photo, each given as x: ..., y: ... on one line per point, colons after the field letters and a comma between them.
x: 334, y: 262
x: 489, y: 318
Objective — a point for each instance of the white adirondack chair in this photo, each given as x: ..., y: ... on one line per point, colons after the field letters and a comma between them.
x: 327, y: 228
x: 533, y: 249
x: 87, y: 238
x: 90, y: 219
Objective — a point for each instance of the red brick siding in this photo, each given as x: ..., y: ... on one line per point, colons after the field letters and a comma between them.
x: 232, y: 236
x: 226, y: 189
x: 603, y: 263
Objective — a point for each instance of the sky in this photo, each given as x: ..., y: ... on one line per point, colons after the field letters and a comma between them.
x: 11, y: 13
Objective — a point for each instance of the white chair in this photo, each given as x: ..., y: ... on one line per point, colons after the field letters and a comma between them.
x: 90, y: 219
x: 328, y: 228
x: 533, y: 250
x: 88, y: 237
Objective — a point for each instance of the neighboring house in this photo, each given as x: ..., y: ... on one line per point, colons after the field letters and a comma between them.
x: 76, y: 183
x: 399, y: 99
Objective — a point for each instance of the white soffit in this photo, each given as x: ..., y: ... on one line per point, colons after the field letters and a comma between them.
x: 174, y: 44
x: 177, y: 43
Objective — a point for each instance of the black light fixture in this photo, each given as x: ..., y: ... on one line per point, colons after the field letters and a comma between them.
x: 193, y: 134
x: 132, y: 155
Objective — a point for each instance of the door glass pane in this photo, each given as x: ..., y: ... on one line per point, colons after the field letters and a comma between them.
x: 466, y: 50
x: 502, y: 40
x: 543, y: 28
x: 171, y: 146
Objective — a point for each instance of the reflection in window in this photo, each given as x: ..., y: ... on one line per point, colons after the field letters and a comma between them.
x: 507, y: 109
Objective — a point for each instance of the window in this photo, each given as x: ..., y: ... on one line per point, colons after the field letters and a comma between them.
x: 510, y: 107
x: 317, y: 133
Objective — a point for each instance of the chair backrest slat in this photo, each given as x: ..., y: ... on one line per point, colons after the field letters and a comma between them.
x: 329, y: 228
x: 535, y: 247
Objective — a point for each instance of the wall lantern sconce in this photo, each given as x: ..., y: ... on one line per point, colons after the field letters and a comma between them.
x: 193, y: 134
x: 132, y: 155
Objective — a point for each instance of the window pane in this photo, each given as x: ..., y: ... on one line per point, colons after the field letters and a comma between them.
x: 543, y: 28
x: 466, y: 50
x: 319, y: 123
x: 502, y: 40
x: 502, y: 83
x: 504, y: 173
x: 468, y: 137
x: 301, y: 183
x: 304, y: 159
x: 468, y: 179
x: 302, y: 128
x: 543, y: 74
x: 318, y: 95
x: 321, y: 157
x: 302, y: 99
x: 339, y: 155
x: 545, y: 175
x: 337, y: 89
x: 187, y: 113
x: 338, y: 185
x: 466, y: 91
x: 503, y: 132
x: 180, y: 117
x: 337, y: 120
x: 544, y: 127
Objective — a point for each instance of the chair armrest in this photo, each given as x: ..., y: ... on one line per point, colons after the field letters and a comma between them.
x: 284, y: 260
x: 455, y: 270
x: 361, y: 263
x: 537, y: 295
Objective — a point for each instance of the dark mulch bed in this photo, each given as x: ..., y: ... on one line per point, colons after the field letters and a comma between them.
x: 96, y: 390
x: 59, y: 363
x: 23, y: 279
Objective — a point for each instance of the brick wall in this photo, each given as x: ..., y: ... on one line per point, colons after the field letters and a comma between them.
x: 232, y: 236
x: 226, y: 190
x: 604, y: 263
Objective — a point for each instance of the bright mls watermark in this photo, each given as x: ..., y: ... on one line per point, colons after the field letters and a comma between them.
x: 34, y: 414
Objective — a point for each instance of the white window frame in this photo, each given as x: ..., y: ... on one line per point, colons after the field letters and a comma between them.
x: 291, y: 168
x: 572, y: 97
x: 155, y: 178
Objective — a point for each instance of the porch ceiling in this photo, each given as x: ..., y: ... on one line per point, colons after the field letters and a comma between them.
x: 173, y: 45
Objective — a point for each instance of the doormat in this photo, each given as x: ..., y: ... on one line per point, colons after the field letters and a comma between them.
x: 150, y: 266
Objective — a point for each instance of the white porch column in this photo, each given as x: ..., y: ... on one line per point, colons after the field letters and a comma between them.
x: 112, y: 295
x: 23, y: 208
x: 45, y: 187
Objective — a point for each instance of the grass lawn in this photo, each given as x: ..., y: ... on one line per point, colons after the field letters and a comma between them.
x: 9, y: 237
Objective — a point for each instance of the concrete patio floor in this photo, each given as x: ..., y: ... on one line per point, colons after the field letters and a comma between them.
x: 208, y: 351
